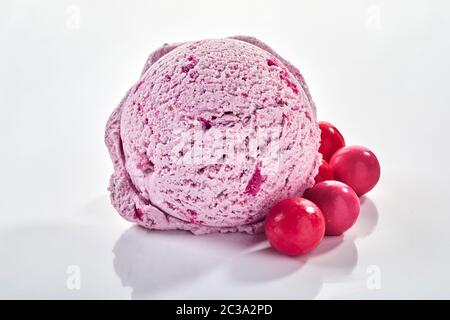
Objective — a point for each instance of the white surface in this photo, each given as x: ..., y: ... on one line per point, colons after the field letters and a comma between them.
x: 379, y: 70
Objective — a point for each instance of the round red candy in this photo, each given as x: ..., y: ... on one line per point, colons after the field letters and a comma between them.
x: 356, y: 166
x: 338, y: 203
x: 331, y: 140
x: 295, y: 226
x: 325, y: 172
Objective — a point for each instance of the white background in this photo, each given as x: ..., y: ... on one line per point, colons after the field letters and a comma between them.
x: 377, y: 69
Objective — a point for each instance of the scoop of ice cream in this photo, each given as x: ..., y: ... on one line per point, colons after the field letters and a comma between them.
x: 213, y: 134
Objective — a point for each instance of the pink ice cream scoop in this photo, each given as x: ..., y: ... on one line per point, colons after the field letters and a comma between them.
x: 213, y: 134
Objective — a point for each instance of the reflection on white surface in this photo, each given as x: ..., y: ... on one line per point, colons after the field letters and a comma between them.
x: 36, y: 261
x: 118, y: 261
x: 367, y: 220
x: 152, y: 262
x: 334, y: 258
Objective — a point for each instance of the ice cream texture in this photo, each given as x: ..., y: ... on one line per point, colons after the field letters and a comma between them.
x: 246, y: 109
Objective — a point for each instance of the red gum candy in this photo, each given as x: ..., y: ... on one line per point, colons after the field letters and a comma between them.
x: 325, y: 172
x: 356, y: 166
x: 295, y: 226
x: 339, y: 205
x: 331, y: 140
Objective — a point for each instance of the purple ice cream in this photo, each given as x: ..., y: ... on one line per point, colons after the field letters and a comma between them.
x: 213, y: 134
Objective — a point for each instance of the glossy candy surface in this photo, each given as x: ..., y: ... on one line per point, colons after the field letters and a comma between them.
x: 325, y: 172
x: 338, y: 203
x: 295, y: 226
x: 331, y: 140
x: 356, y: 166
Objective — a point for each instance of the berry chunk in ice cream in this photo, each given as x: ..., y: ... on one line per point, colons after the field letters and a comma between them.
x: 211, y: 136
